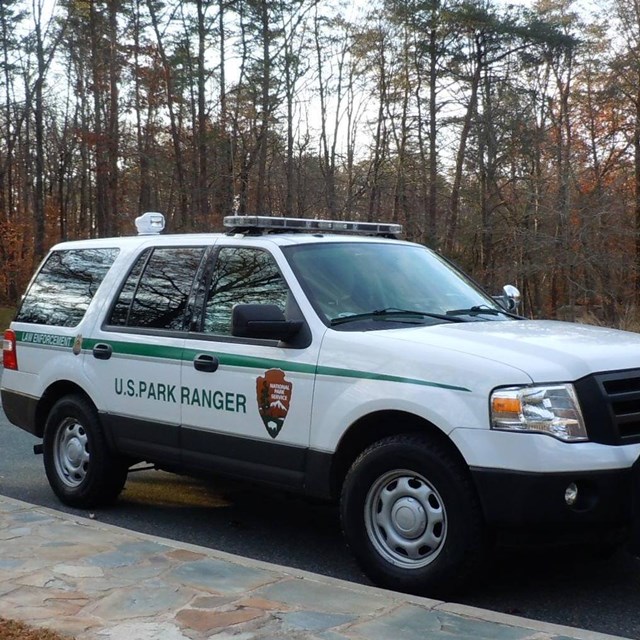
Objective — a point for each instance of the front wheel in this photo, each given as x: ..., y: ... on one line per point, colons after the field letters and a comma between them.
x: 81, y: 469
x: 411, y: 516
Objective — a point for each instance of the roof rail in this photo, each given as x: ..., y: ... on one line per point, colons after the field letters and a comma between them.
x: 272, y: 224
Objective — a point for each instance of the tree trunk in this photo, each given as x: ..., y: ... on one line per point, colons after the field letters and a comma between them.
x: 289, y: 92
x: 380, y: 138
x: 144, y: 188
x: 636, y: 156
x: 181, y: 214
x: 202, y: 180
x: 454, y: 207
x: 266, y: 108
x: 432, y: 207
x: 100, y: 148
x: 113, y: 130
x: 38, y: 108
x: 226, y: 155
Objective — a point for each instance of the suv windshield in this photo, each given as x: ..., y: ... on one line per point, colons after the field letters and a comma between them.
x: 387, y: 283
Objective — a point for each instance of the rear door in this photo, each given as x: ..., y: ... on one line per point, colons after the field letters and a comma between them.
x: 135, y: 359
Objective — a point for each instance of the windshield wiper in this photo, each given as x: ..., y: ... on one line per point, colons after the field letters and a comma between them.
x: 393, y: 313
x: 481, y: 310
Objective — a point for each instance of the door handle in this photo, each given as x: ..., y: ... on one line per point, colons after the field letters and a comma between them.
x: 205, y: 362
x: 102, y: 351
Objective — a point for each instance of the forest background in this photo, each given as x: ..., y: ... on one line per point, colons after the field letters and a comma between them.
x: 505, y: 137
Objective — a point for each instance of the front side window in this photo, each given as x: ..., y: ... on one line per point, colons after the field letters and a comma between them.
x: 241, y: 276
x: 65, y: 285
x: 156, y: 292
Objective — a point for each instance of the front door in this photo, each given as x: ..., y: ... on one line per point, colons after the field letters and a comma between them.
x: 246, y: 403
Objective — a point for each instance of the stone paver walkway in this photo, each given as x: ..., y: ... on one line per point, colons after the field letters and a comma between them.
x: 94, y: 581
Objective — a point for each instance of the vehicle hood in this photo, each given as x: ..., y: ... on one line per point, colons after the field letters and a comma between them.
x: 546, y: 350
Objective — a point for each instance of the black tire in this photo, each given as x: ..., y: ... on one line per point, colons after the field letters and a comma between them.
x: 81, y: 469
x: 411, y: 516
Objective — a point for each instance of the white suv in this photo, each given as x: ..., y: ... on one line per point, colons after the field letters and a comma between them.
x: 350, y: 366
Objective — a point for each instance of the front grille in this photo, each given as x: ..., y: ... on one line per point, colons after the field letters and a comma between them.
x: 623, y: 395
x: 611, y: 406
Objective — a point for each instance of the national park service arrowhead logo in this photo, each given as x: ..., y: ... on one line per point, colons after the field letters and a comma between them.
x: 77, y: 345
x: 274, y: 396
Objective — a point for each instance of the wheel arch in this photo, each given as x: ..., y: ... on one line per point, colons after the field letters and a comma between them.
x: 52, y: 394
x: 376, y: 426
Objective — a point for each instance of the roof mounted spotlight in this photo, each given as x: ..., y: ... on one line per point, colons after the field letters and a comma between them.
x: 150, y: 223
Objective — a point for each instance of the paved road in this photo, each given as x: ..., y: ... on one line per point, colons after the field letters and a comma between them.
x: 577, y: 590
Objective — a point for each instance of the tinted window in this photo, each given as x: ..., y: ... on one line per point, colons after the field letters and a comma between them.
x: 120, y: 313
x: 156, y: 292
x: 241, y: 275
x: 65, y: 285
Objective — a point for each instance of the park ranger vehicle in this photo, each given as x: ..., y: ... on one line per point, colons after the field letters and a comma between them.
x: 333, y: 360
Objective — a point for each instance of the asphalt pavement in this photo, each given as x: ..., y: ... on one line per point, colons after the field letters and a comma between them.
x: 94, y: 581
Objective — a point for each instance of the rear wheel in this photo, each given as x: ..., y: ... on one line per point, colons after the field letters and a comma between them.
x: 411, y: 517
x: 81, y: 469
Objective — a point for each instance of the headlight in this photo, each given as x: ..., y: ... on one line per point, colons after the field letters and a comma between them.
x: 552, y: 409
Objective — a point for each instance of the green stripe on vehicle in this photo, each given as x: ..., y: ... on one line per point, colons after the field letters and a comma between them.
x: 143, y: 350
x: 368, y: 375
x: 139, y: 349
x: 44, y: 339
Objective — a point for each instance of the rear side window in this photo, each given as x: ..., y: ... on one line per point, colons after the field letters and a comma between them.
x: 65, y: 285
x: 156, y: 293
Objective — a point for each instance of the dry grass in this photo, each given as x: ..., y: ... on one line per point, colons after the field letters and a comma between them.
x: 13, y: 630
x: 6, y: 316
x: 626, y: 318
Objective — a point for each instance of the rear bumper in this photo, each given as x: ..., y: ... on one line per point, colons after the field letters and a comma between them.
x: 20, y: 410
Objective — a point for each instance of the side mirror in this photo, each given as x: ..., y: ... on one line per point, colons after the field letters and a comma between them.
x: 510, y: 298
x: 265, y: 321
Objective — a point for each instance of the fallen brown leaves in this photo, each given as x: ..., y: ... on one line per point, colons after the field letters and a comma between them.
x: 13, y: 630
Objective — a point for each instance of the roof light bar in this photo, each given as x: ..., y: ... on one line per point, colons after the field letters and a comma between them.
x: 268, y: 224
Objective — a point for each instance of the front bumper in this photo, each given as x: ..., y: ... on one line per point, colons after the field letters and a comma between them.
x: 536, y: 501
